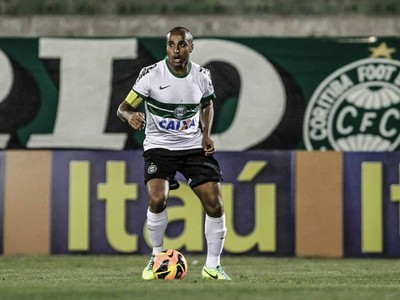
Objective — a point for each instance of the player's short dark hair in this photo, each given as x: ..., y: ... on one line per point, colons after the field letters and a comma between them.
x: 183, y: 31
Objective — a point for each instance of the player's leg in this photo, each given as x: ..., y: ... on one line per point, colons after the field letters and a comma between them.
x: 157, y: 220
x: 158, y: 169
x: 214, y: 228
x: 209, y: 194
x: 204, y: 176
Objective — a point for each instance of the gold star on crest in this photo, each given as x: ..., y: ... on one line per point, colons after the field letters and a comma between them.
x: 382, y: 51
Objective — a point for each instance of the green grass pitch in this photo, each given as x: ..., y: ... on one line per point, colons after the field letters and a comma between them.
x: 119, y: 277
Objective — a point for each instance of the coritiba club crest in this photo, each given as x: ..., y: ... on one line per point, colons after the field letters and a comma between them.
x: 180, y: 112
x: 357, y: 107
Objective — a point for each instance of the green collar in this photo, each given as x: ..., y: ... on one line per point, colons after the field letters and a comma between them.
x: 176, y: 74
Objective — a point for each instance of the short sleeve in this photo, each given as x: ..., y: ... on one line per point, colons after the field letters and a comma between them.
x: 209, y: 93
x: 142, y: 84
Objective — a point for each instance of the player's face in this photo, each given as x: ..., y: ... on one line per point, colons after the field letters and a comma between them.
x: 178, y: 51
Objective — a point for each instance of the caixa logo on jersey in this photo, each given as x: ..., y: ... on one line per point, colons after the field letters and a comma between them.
x: 179, y: 125
x: 356, y: 108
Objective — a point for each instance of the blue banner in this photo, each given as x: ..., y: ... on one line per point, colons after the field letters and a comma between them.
x: 371, y: 209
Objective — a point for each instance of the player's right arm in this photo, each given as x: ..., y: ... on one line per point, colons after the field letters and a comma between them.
x: 127, y: 111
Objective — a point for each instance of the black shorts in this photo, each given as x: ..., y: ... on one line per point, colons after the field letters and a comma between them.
x: 196, y: 167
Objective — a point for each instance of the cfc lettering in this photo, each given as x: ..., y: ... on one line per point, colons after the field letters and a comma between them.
x: 351, y: 121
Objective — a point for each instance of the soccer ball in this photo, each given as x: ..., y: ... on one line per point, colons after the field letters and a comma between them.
x: 170, y: 264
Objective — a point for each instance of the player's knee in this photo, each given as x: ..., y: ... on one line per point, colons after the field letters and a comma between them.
x: 157, y: 203
x: 215, y: 211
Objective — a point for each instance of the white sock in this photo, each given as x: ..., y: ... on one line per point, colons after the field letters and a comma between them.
x: 215, y: 232
x: 156, y: 226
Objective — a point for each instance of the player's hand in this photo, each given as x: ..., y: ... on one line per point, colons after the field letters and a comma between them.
x: 137, y: 120
x: 208, y: 146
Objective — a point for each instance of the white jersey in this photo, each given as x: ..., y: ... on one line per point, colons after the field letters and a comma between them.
x: 172, y: 105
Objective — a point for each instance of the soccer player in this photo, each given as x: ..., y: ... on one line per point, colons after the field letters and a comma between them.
x: 178, y: 97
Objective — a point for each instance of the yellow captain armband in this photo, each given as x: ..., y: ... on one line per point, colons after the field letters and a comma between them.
x: 133, y: 99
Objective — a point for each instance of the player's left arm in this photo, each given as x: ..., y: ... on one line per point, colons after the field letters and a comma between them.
x: 207, y: 117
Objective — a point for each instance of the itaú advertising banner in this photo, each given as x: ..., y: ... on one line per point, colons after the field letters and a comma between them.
x: 277, y: 203
x: 99, y: 203
x: 272, y: 93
